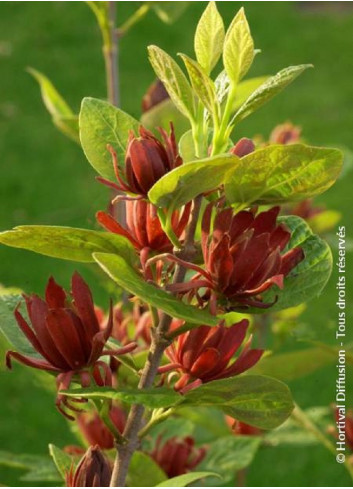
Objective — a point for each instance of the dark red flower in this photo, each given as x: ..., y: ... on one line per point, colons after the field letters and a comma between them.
x: 67, y: 336
x: 205, y: 353
x: 143, y: 228
x: 285, y: 133
x: 240, y: 428
x: 243, y: 257
x: 243, y: 254
x: 156, y: 93
x: 177, y: 456
x: 93, y: 470
x: 147, y: 159
x: 96, y: 432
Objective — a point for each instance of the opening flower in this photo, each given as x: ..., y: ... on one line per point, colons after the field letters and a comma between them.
x: 205, y: 353
x: 177, y: 456
x: 93, y: 470
x: 147, y: 159
x: 243, y: 257
x: 67, y: 336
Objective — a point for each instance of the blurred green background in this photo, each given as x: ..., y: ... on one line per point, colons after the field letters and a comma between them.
x: 45, y: 178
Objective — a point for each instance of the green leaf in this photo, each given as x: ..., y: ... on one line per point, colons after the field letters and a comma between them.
x: 69, y: 126
x: 152, y: 398
x: 310, y: 276
x: 174, y: 80
x: 295, y: 364
x: 282, y: 173
x: 265, y: 92
x: 238, y: 52
x: 9, y: 327
x: 142, y: 465
x: 37, y: 467
x: 62, y: 460
x: 229, y: 454
x: 200, y: 417
x: 201, y: 83
x: 182, y: 184
x: 244, y: 88
x: 122, y: 273
x: 160, y: 116
x: 256, y: 400
x: 186, y: 479
x: 169, y: 12
x: 62, y: 115
x: 209, y: 38
x: 102, y: 123
x: 67, y: 243
x: 187, y: 147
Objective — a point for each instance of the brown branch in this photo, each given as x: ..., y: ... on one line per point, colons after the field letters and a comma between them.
x: 158, y: 345
x: 110, y: 52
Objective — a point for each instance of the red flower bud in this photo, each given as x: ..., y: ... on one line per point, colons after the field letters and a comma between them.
x: 96, y: 432
x: 243, y: 147
x: 143, y: 228
x: 177, y: 456
x: 204, y: 354
x: 155, y: 94
x: 146, y: 161
x: 93, y: 470
x: 285, y: 133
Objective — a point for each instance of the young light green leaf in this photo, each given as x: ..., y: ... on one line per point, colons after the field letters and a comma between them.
x: 124, y: 275
x: 265, y: 92
x: 67, y: 243
x: 62, y: 460
x: 102, y: 123
x: 62, y: 115
x: 68, y: 126
x: 201, y: 83
x: 310, y: 276
x: 283, y: 173
x: 229, y: 454
x: 238, y: 53
x: 256, y: 400
x: 152, y: 398
x: 182, y: 184
x: 209, y: 38
x: 187, y: 147
x: 244, y: 88
x: 168, y: 12
x: 174, y: 80
x: 186, y: 479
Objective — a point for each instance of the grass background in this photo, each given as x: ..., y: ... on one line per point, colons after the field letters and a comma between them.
x: 45, y: 178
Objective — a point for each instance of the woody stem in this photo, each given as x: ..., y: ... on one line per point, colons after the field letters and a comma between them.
x: 158, y: 345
